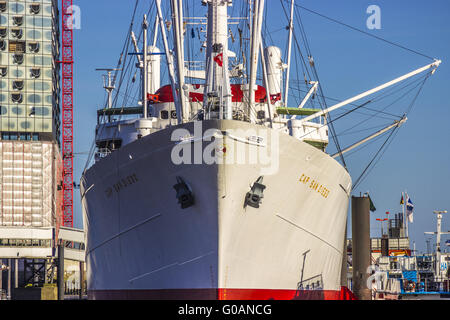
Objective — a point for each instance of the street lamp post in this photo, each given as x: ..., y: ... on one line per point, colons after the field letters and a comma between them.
x: 381, y: 221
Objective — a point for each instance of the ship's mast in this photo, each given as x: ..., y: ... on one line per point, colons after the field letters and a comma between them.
x: 145, y: 68
x: 438, y: 234
x: 254, y: 50
x: 177, y: 20
x: 170, y: 65
x: 291, y: 29
x: 108, y: 84
x: 217, y: 96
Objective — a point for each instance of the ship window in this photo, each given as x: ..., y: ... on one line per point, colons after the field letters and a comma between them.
x: 2, y: 45
x: 35, y: 8
x: 3, y: 71
x: 34, y: 98
x: 17, y: 46
x: 34, y: 47
x: 110, y: 144
x: 173, y: 114
x: 17, y: 33
x: 2, y: 6
x: 32, y: 112
x: 35, y: 73
x: 164, y: 114
x: 18, y: 21
x: 261, y: 114
x: 16, y: 97
x: 17, y: 85
x: 3, y: 32
x: 18, y: 58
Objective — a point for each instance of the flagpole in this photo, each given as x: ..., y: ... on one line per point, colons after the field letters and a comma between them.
x: 406, y: 203
x: 403, y: 209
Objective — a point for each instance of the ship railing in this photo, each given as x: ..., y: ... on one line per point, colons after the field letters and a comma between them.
x: 76, y: 292
x: 313, y: 283
x: 195, y: 65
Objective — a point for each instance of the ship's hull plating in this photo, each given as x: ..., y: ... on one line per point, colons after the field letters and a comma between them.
x: 141, y: 244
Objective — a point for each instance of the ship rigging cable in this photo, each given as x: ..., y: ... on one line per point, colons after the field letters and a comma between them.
x: 364, y: 32
x: 309, y: 69
x: 120, y: 62
x: 388, y: 141
x: 378, y: 98
x: 323, y: 104
x: 390, y: 104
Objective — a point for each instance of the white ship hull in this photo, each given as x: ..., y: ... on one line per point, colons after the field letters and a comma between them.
x: 141, y: 244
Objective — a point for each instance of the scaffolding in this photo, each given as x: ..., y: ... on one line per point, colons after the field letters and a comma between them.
x: 29, y: 194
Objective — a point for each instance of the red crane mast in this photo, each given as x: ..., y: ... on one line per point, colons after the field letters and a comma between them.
x: 67, y: 110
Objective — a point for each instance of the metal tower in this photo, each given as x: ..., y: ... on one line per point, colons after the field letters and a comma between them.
x: 67, y: 110
x: 438, y: 234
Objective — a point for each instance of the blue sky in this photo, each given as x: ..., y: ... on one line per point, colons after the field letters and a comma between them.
x: 348, y: 62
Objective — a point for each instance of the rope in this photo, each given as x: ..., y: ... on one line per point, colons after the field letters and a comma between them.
x: 367, y: 170
x: 323, y: 104
x: 364, y: 32
x: 124, y: 50
x: 373, y: 159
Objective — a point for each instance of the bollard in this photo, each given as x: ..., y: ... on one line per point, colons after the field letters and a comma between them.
x: 361, y: 246
x: 61, y: 271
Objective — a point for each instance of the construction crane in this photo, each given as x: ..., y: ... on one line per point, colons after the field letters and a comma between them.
x: 67, y: 110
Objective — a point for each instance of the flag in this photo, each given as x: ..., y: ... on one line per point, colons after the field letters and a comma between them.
x: 401, y: 201
x: 409, y: 209
x: 219, y: 59
x: 372, y: 206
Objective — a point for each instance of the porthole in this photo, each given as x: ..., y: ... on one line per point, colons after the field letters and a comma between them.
x: 261, y: 114
x: 164, y: 114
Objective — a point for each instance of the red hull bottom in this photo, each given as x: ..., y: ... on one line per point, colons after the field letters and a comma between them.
x: 221, y: 294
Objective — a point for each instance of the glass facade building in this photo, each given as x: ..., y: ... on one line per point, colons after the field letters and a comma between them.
x: 30, y: 156
x: 29, y: 71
